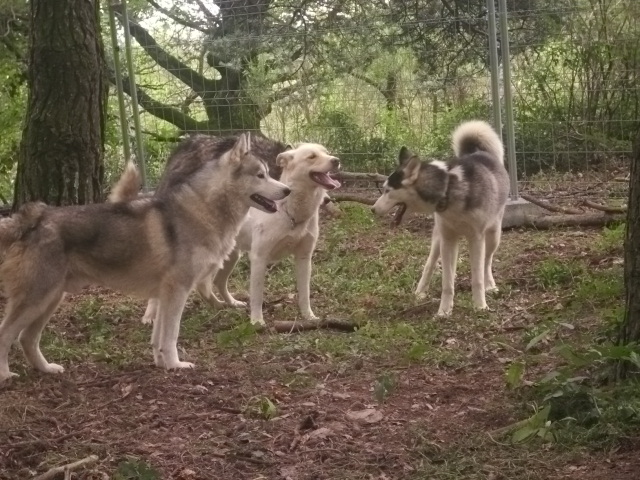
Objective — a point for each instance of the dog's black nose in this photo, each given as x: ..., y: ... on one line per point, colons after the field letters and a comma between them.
x: 335, y: 162
x: 373, y: 209
x: 286, y: 191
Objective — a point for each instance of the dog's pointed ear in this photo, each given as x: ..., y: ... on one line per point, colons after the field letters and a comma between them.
x: 411, y: 169
x: 242, y: 146
x: 283, y: 158
x: 404, y: 155
x: 288, y: 146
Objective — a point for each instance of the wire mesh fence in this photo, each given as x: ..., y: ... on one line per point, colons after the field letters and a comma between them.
x: 364, y: 77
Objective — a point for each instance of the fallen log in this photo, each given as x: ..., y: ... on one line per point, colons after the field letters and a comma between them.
x: 353, y: 198
x: 371, y: 177
x: 584, y: 220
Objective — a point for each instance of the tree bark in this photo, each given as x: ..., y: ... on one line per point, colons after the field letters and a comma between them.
x: 630, y: 327
x: 61, y: 154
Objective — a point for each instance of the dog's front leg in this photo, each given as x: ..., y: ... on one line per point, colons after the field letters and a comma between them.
x: 171, y: 304
x: 429, y: 266
x: 303, y: 281
x: 449, y: 252
x: 256, y: 287
x: 477, y: 250
x: 151, y: 312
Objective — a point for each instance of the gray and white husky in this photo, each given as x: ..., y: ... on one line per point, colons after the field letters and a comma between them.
x: 467, y: 195
x: 155, y: 247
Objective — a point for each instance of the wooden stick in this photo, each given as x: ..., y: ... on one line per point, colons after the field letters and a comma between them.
x: 604, y: 208
x: 287, y: 326
x: 51, y: 474
x: 352, y: 198
x: 551, y: 208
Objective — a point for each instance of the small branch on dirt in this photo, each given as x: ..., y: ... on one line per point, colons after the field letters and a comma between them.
x: 51, y: 474
x: 286, y: 326
x: 584, y: 220
x: 352, y: 198
x: 604, y: 208
x: 372, y: 177
x: 550, y: 207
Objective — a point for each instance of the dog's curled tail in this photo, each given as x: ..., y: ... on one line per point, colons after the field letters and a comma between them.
x: 477, y: 135
x: 128, y: 186
x: 14, y: 227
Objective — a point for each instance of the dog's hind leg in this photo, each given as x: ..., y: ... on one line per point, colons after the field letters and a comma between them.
x: 30, y: 338
x: 303, y: 281
x: 429, y: 266
x: 172, y: 300
x: 449, y: 253
x: 21, y: 315
x: 205, y: 290
x: 477, y: 250
x: 492, y: 237
x: 221, y: 280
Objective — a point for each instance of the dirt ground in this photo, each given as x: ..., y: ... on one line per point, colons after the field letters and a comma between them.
x: 308, y: 406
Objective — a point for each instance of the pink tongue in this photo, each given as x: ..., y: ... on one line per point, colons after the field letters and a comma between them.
x: 326, y: 181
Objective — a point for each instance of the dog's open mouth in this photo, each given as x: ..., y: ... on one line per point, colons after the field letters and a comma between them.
x: 397, y: 217
x: 325, y: 180
x: 269, y: 205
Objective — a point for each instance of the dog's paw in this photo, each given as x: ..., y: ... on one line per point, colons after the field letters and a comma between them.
x: 237, y: 304
x: 5, y: 377
x: 420, y: 295
x: 147, y: 319
x: 310, y: 316
x: 52, y: 368
x: 443, y: 313
x: 258, y: 322
x: 178, y: 364
x: 492, y: 289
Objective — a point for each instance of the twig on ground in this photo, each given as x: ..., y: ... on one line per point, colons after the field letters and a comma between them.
x: 51, y: 474
x: 287, y: 326
x: 353, y: 198
x: 604, y: 208
x: 552, y: 208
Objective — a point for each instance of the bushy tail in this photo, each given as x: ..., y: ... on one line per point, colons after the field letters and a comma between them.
x: 128, y: 186
x: 14, y: 227
x: 477, y: 135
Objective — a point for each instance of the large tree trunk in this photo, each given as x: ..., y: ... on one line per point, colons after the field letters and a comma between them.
x: 630, y: 328
x: 62, y: 143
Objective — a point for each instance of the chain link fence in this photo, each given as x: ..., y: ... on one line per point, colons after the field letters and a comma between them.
x: 366, y: 77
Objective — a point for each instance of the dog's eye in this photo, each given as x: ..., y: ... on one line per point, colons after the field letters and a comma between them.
x: 312, y: 156
x: 261, y: 175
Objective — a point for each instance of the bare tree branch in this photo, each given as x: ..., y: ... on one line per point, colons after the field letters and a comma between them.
x: 180, y: 20
x: 173, y: 65
x: 158, y: 109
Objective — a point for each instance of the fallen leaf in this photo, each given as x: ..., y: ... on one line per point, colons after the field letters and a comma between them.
x: 368, y: 415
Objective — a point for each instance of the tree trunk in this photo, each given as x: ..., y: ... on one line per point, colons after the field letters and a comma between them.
x: 630, y: 328
x: 63, y: 138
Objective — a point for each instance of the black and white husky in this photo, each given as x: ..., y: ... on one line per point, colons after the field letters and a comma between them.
x: 467, y: 196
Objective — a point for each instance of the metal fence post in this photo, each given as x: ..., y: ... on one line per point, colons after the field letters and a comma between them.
x: 134, y: 96
x: 493, y: 62
x: 508, y: 103
x: 124, y: 125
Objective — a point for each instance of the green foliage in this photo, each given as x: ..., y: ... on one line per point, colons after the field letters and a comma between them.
x: 135, y: 469
x: 552, y: 273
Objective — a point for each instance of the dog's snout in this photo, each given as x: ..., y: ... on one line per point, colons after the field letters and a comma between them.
x: 286, y: 191
x: 373, y: 209
x: 335, y: 162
